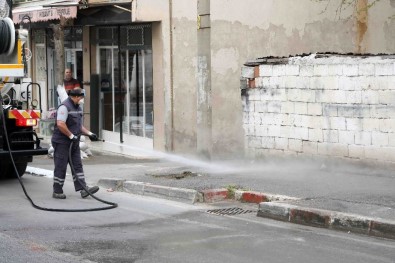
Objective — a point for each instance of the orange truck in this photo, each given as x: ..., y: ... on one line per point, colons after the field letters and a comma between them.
x: 21, y: 111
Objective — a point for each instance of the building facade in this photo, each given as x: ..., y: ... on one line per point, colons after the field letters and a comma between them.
x: 165, y: 75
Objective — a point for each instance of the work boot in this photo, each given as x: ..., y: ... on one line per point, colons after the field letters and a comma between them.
x: 59, y: 195
x: 91, y: 190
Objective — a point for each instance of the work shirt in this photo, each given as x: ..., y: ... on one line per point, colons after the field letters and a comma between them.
x: 71, y: 114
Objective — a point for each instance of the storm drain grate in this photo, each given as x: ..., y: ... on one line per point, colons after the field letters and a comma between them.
x: 230, y: 211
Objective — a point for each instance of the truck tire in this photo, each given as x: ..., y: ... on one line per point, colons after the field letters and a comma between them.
x: 21, y: 168
x: 7, y: 170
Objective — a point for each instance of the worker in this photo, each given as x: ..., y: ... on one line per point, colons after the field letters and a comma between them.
x: 67, y: 131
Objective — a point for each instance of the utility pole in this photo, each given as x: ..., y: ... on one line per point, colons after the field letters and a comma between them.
x: 204, y: 93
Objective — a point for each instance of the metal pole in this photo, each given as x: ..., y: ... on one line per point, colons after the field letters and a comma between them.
x: 120, y: 104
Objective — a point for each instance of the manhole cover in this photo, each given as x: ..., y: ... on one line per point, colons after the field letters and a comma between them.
x: 230, y: 211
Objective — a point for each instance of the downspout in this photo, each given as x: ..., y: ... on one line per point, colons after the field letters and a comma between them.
x: 171, y: 77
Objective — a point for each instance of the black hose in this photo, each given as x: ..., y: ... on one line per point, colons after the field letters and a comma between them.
x: 111, y: 205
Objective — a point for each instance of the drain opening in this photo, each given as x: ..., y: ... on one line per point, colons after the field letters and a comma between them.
x: 230, y: 211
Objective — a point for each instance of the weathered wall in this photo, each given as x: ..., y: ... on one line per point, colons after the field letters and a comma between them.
x: 242, y: 31
x: 174, y: 42
x: 331, y: 106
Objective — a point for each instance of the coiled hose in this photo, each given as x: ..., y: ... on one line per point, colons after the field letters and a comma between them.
x: 5, y: 36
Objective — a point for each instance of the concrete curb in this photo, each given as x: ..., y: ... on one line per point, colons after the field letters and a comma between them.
x: 147, y: 189
x: 328, y: 219
x: 268, y: 207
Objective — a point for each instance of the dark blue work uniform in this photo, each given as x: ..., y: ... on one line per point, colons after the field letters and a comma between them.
x: 61, y: 144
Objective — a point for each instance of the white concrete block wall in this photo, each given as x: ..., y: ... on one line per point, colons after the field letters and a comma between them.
x: 340, y: 106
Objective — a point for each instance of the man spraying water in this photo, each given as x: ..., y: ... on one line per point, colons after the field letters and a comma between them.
x: 67, y: 131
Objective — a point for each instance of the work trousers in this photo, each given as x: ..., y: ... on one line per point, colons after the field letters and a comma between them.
x: 61, y: 160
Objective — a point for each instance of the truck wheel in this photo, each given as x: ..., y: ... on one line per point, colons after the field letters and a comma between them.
x: 7, y: 170
x: 3, y: 170
x: 21, y: 168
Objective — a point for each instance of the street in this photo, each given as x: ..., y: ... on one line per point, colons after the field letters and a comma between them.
x: 146, y: 229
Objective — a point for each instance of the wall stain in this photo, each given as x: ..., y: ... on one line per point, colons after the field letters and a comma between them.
x: 362, y: 23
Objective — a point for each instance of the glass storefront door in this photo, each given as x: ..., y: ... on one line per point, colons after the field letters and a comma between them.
x: 126, y: 88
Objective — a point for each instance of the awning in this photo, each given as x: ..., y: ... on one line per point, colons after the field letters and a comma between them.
x: 38, y: 13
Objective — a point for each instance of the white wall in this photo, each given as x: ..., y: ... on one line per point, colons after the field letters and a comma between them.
x: 336, y: 106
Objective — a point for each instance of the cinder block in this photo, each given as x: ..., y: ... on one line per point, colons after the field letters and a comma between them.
x: 314, y: 108
x: 292, y: 70
x: 316, y: 135
x: 333, y: 149
x: 356, y: 151
x: 335, y: 70
x: 350, y: 70
x: 370, y: 97
x: 380, y: 138
x: 299, y: 133
x: 295, y: 145
x: 331, y: 136
x: 281, y: 143
x: 354, y: 124
x: 363, y: 138
x: 274, y: 106
x: 386, y: 96
x: 277, y: 81
x: 306, y: 70
x: 301, y: 107
x: 391, y: 137
x: 310, y: 147
x: 254, y: 142
x: 337, y: 123
x: 384, y: 69
x: 247, y: 72
x: 265, y: 70
x: 347, y: 137
x: 321, y: 70
x: 261, y: 130
x: 268, y: 142
x: 330, y: 110
x: 287, y: 107
x: 279, y: 70
x: 366, y: 69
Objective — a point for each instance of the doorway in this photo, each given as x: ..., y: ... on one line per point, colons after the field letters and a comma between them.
x: 126, y: 90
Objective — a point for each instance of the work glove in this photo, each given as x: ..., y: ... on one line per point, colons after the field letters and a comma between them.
x: 74, y: 138
x: 93, y: 137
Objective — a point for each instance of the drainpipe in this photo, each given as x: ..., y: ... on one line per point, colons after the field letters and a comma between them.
x: 171, y: 77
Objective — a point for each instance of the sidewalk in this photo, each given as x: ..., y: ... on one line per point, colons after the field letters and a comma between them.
x: 330, y: 194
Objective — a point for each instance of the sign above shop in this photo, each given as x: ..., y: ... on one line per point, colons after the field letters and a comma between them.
x: 39, y: 14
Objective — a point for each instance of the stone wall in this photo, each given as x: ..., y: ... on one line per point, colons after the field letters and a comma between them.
x: 320, y: 105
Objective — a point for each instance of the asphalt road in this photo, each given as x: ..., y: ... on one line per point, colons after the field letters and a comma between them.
x: 145, y: 229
